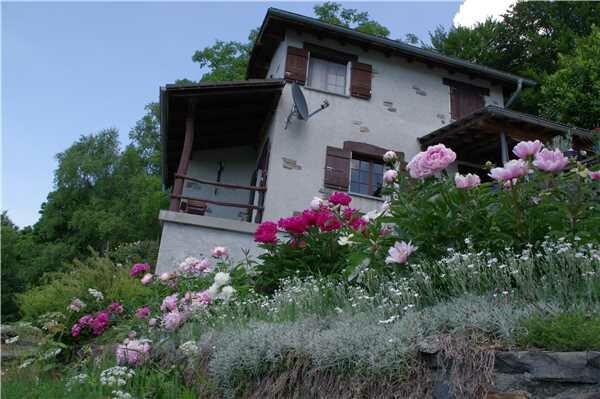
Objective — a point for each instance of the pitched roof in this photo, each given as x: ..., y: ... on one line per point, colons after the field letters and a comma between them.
x: 273, y: 29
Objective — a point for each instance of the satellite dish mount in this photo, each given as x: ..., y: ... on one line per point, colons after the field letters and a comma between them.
x: 300, y: 108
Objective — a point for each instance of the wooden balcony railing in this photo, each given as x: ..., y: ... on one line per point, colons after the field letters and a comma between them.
x: 197, y: 201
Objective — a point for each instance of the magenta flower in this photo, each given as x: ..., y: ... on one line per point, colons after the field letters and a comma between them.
x: 143, y: 312
x: 115, y: 307
x: 467, y: 181
x: 310, y: 217
x: 400, y: 252
x: 327, y: 221
x: 204, y: 265
x: 594, y: 175
x: 338, y: 198
x: 133, y: 352
x: 266, y: 233
x: 527, y: 149
x: 293, y: 224
x: 550, y: 161
x: 511, y: 170
x: 76, y: 330
x: 435, y: 159
x: 100, y: 322
x: 139, y: 268
x: 358, y: 224
x: 390, y: 176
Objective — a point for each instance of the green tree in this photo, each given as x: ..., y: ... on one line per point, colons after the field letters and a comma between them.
x: 333, y: 13
x: 145, y: 138
x: 575, y: 85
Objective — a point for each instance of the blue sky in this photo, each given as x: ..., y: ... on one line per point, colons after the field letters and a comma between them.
x: 70, y: 69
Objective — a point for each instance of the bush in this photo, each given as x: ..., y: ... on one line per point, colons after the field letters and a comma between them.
x: 59, y: 289
x: 135, y: 252
x: 525, y: 204
x: 576, y: 331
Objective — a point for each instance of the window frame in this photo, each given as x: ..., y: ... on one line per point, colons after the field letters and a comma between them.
x: 329, y: 55
x: 372, y: 188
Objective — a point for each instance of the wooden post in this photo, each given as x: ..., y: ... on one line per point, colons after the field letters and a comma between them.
x: 503, y: 148
x: 186, y: 154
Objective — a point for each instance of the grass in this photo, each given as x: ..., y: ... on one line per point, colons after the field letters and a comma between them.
x: 578, y: 331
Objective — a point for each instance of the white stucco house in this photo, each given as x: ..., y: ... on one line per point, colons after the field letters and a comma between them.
x: 230, y: 162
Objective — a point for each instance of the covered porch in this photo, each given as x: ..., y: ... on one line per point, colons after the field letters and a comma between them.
x: 490, y: 134
x: 214, y: 148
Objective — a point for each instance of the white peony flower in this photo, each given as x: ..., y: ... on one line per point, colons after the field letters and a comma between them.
x: 227, y: 292
x: 222, y: 279
x: 316, y: 203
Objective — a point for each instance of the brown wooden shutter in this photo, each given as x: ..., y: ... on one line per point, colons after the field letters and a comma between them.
x: 465, y: 98
x: 295, y: 64
x: 337, y: 169
x: 360, y: 80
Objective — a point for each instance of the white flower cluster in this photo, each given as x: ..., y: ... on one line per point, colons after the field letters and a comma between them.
x: 118, y: 394
x: 96, y: 294
x: 76, y: 380
x: 220, y: 288
x: 189, y: 348
x: 12, y: 340
x: 116, y: 376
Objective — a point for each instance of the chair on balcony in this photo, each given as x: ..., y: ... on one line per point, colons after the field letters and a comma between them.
x: 195, y: 207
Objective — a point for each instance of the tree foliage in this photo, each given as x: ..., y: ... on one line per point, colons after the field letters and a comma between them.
x: 575, y: 85
x: 528, y: 41
x: 333, y: 13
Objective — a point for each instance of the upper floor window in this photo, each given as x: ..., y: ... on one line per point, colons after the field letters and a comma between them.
x: 327, y: 75
x: 366, y: 176
x: 465, y: 98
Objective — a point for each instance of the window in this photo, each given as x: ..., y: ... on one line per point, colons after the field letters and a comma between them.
x: 366, y: 176
x: 465, y: 98
x: 327, y: 75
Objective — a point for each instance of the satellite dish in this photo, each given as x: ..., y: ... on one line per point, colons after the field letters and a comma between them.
x: 300, y: 108
x: 299, y: 102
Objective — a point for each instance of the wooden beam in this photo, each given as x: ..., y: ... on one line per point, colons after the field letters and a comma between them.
x: 178, y: 198
x: 219, y: 184
x: 186, y: 154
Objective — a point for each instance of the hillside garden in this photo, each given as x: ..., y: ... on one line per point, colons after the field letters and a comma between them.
x: 341, y: 302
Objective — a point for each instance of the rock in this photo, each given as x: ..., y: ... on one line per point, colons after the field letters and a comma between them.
x: 508, y: 395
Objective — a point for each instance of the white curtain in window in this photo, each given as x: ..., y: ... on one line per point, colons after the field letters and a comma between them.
x: 327, y: 75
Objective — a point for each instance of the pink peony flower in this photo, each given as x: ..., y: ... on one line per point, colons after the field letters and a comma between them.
x: 595, y: 175
x: 400, y: 252
x: 310, y: 217
x: 293, y: 224
x: 358, y: 224
x: 511, y: 170
x: 527, y: 149
x: 75, y: 330
x: 550, y: 161
x: 169, y: 303
x: 147, y: 279
x: 316, y: 203
x: 218, y: 252
x: 134, y: 352
x: 100, y: 322
x: 349, y: 213
x: 172, y: 320
x: 139, y: 268
x: 200, y: 299
x: 390, y: 157
x: 166, y: 276
x: 76, y: 305
x: 390, y: 176
x: 152, y: 322
x: 467, y: 181
x: 204, y: 265
x: 327, y: 221
x: 435, y: 159
x: 131, y: 334
x: 116, y: 307
x: 266, y: 233
x: 143, y: 312
x: 338, y: 198
x: 86, y: 320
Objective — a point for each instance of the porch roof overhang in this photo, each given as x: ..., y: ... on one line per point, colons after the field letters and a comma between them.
x: 478, y: 134
x: 225, y: 113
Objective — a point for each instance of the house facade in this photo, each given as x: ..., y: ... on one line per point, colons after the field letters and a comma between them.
x: 232, y: 156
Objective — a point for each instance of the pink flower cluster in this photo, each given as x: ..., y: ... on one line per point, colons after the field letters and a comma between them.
x: 435, y: 159
x: 143, y: 312
x: 512, y: 169
x: 550, y: 161
x: 133, y: 352
x: 467, y: 181
x: 526, y: 150
x: 97, y: 323
x: 138, y: 269
x: 266, y: 233
x: 594, y: 175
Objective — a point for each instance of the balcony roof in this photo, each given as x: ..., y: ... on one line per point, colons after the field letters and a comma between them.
x: 226, y: 113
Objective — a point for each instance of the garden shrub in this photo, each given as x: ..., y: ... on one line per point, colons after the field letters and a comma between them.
x: 59, y: 289
x: 135, y: 252
x: 565, y: 331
